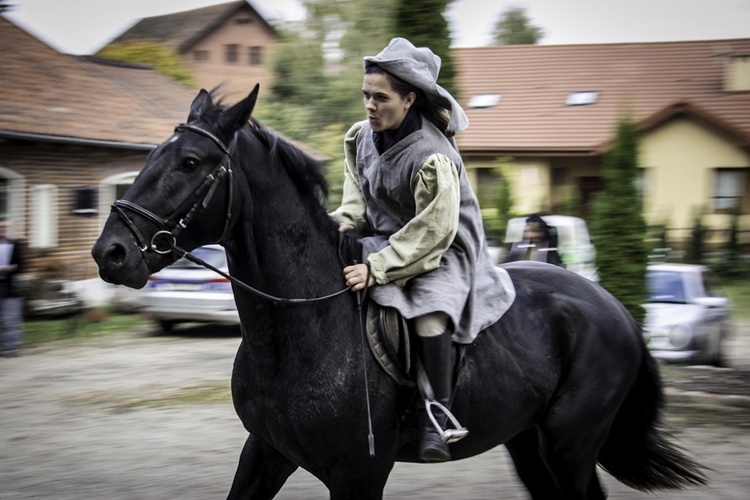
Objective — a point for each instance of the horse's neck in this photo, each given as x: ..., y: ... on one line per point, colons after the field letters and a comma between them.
x: 283, y: 251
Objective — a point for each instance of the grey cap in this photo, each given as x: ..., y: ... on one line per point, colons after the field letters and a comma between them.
x: 420, y: 67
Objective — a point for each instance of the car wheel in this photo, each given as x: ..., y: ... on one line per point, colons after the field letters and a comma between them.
x: 717, y: 357
x: 167, y: 324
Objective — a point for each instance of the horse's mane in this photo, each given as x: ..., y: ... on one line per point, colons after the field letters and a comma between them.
x: 306, y: 172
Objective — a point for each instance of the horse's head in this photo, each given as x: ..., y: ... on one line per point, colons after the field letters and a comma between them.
x: 181, y: 197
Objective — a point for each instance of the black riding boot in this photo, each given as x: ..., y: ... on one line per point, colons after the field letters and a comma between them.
x: 437, y: 359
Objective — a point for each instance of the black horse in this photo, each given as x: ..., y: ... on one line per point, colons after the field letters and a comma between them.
x: 563, y: 379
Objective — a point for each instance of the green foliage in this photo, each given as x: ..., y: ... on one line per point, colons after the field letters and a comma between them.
x: 619, y: 228
x: 423, y: 23
x: 161, y: 57
x: 514, y: 28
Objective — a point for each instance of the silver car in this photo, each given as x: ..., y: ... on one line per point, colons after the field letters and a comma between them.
x: 687, y: 315
x: 187, y: 292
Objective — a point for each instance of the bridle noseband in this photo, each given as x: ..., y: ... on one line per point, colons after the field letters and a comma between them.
x: 200, y: 199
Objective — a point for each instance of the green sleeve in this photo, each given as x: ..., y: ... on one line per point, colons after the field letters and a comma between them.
x: 418, y: 246
x: 352, y: 210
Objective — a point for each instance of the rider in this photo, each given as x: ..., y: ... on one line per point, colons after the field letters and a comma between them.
x: 406, y: 189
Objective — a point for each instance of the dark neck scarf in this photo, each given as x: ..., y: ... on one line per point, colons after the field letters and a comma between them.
x: 386, y: 139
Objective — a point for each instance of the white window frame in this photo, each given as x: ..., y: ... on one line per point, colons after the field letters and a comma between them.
x: 729, y: 189
x: 16, y: 202
x: 44, y: 216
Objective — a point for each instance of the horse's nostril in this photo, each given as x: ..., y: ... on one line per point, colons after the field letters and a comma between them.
x: 115, y: 255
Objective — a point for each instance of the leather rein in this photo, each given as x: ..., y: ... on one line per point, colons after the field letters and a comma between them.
x: 200, y: 199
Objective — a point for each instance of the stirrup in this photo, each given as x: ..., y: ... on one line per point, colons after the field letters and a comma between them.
x: 446, y: 435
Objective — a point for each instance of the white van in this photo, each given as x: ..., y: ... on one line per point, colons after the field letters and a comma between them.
x: 573, y: 242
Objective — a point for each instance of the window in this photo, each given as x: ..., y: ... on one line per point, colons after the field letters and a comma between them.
x: 558, y: 176
x: 232, y: 53
x: 43, y: 226
x: 484, y: 101
x: 729, y: 188
x: 582, y: 98
x: 256, y: 56
x: 200, y: 55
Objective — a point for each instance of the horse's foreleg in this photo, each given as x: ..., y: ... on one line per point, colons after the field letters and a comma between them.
x: 261, y: 473
x: 531, y: 469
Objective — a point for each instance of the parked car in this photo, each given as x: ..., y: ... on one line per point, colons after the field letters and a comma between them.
x: 187, y: 292
x: 687, y: 315
x: 574, y: 243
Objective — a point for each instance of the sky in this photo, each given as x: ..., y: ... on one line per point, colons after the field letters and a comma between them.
x: 84, y: 26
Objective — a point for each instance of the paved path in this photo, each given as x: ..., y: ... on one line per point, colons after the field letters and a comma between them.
x: 133, y: 417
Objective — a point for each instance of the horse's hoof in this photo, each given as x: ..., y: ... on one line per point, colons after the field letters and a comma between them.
x: 433, y: 449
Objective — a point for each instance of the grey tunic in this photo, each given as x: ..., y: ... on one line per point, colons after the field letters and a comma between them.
x: 428, y: 250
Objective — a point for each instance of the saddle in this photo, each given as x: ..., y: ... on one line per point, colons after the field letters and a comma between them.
x: 390, y: 343
x: 388, y: 332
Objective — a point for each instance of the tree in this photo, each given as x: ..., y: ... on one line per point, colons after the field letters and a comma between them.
x: 163, y: 58
x: 619, y: 228
x: 514, y: 28
x: 423, y: 23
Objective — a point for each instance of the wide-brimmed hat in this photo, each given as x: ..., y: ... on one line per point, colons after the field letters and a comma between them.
x: 420, y: 67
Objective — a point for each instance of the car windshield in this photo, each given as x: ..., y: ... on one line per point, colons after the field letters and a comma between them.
x: 665, y: 286
x: 212, y: 256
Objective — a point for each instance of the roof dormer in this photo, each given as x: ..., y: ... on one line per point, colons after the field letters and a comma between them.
x: 737, y: 73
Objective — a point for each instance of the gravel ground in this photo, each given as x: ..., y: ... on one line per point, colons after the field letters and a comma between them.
x: 137, y: 416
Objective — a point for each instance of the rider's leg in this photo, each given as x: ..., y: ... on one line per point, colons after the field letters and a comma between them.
x: 437, y: 359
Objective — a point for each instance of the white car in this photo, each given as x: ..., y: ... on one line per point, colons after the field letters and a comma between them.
x: 186, y: 292
x: 687, y: 315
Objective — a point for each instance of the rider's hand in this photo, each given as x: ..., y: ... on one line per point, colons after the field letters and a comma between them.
x: 356, y: 275
x: 345, y: 228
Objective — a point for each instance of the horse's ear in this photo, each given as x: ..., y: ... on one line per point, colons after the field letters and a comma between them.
x: 237, y: 116
x: 201, y: 102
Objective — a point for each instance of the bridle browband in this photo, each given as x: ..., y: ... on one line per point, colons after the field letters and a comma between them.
x: 198, y: 200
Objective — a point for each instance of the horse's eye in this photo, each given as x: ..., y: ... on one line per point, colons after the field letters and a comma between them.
x: 190, y: 164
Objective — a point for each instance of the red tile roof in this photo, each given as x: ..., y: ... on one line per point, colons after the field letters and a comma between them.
x: 61, y: 97
x: 52, y: 94
x: 651, y: 81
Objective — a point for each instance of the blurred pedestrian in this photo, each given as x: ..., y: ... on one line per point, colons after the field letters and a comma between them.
x: 539, y: 243
x: 11, y: 304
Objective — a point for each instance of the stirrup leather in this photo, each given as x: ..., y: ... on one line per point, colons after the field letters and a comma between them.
x: 457, y: 433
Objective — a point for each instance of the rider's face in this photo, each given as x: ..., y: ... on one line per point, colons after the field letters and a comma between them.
x: 385, y: 108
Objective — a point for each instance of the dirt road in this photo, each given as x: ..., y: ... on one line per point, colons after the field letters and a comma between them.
x: 136, y: 416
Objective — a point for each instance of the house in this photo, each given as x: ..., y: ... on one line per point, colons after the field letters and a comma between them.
x: 74, y: 134
x: 230, y: 43
x: 550, y: 112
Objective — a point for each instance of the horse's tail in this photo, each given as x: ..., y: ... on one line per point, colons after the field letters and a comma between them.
x: 637, y: 451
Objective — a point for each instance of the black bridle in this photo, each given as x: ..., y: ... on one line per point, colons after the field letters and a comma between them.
x: 200, y: 199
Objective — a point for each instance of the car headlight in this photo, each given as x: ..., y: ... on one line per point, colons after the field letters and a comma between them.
x: 680, y: 336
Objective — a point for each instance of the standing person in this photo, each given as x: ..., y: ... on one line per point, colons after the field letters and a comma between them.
x: 11, y: 305
x: 406, y: 189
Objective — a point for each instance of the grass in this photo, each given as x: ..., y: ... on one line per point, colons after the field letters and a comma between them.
x: 91, y: 323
